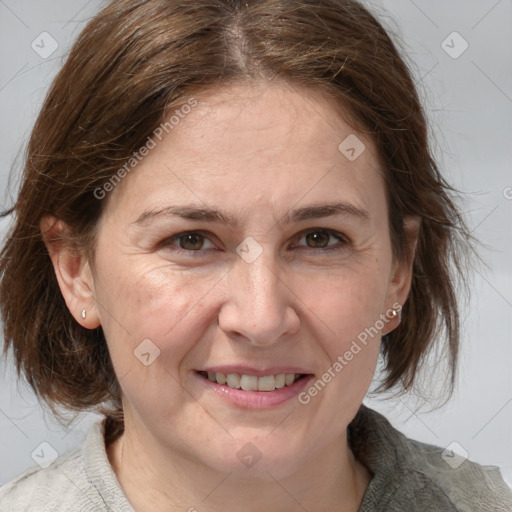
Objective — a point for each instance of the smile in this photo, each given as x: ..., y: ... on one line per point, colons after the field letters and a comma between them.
x: 253, y: 382
x: 248, y: 391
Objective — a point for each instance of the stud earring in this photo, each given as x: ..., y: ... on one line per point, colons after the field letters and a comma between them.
x: 396, y: 313
x: 83, y: 314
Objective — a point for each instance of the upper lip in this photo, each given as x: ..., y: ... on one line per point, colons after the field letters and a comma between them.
x: 258, y: 372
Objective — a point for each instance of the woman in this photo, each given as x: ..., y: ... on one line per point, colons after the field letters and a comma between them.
x: 229, y: 209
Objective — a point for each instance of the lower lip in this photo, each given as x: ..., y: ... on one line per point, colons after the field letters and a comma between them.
x: 256, y: 399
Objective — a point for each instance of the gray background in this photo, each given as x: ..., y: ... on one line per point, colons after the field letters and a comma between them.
x: 469, y: 102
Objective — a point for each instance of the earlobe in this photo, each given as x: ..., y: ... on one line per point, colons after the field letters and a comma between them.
x: 72, y: 271
x: 394, y: 317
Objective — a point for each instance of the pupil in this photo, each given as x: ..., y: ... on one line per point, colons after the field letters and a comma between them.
x: 192, y: 241
x: 318, y: 238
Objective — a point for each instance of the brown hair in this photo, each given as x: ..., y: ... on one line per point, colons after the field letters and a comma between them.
x: 138, y: 59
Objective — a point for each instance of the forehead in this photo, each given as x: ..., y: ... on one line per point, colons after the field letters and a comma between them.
x: 261, y: 144
x: 244, y: 120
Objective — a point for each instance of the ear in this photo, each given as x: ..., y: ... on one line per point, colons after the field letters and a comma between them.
x: 72, y: 270
x: 401, y: 277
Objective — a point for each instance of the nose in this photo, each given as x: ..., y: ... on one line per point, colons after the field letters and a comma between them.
x: 260, y: 305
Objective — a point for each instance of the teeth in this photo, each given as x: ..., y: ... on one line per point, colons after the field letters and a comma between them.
x: 267, y: 383
x: 280, y: 380
x: 233, y: 380
x: 249, y: 382
x: 253, y: 383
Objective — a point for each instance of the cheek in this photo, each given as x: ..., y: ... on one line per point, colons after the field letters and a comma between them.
x: 155, y: 317
x: 349, y: 301
x: 171, y: 309
x: 346, y: 307
x: 347, y: 311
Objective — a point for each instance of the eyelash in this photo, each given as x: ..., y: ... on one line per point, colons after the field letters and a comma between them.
x: 345, y: 242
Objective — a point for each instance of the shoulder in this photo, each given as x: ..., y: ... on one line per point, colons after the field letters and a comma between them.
x: 81, y: 480
x: 466, y: 485
x: 410, y: 475
x: 41, y: 488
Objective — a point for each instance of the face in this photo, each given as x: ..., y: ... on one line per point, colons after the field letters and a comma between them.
x: 247, y: 243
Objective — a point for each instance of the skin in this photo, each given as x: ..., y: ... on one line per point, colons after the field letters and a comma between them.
x: 255, y: 152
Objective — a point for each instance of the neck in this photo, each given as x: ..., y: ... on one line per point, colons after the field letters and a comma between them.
x: 156, y: 480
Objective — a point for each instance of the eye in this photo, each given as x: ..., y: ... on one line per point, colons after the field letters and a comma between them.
x: 190, y: 241
x: 323, y: 239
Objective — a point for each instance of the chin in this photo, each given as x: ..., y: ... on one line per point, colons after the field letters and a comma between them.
x: 253, y: 457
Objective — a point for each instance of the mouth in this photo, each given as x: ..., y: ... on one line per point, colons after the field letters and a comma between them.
x: 245, y: 382
x: 242, y: 388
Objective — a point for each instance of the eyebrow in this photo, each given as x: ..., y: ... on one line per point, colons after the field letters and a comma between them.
x: 192, y: 212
